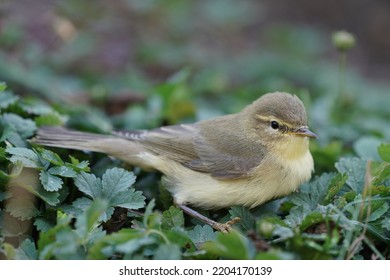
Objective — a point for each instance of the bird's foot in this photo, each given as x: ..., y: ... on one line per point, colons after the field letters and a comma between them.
x: 225, y: 227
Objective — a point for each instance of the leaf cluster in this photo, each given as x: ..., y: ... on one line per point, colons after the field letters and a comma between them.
x: 53, y: 208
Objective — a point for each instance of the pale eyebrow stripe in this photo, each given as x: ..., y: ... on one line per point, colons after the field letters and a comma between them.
x: 286, y: 126
x: 265, y: 118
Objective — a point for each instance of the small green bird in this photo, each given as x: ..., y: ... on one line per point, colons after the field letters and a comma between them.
x: 245, y: 158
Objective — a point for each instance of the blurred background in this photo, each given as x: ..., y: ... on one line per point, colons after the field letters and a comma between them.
x: 144, y: 63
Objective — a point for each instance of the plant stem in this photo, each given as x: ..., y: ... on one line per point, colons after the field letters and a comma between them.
x: 342, y: 68
x: 159, y: 233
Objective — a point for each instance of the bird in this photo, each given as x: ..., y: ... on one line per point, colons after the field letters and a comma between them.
x: 246, y: 158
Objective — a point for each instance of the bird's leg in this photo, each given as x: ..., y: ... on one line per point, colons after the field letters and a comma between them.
x: 225, y: 228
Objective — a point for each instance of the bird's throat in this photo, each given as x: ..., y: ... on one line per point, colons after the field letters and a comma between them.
x: 292, y: 148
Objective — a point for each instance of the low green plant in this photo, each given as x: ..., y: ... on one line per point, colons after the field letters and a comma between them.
x: 55, y: 205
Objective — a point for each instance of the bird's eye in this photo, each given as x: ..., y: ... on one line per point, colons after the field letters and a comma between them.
x: 275, y: 125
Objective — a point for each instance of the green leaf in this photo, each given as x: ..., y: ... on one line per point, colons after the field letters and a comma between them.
x: 179, y: 236
x: 46, y: 238
x: 247, y: 221
x: 116, y: 180
x: 384, y: 152
x: 7, y: 98
x: 26, y: 251
x: 133, y: 245
x: 78, y: 206
x: 3, y: 86
x: 93, y: 214
x: 116, y: 187
x: 13, y: 137
x: 148, y: 212
x: 89, y: 184
x: 168, y: 252
x: 24, y: 127
x: 28, y: 157
x: 125, y: 241
x: 51, y: 157
x: 67, y: 245
x: 50, y: 182
x: 173, y: 217
x: 51, y: 198
x: 229, y: 246
x: 165, y: 197
x: 53, y: 119
x: 386, y: 223
x: 95, y: 235
x: 63, y: 171
x: 297, y: 215
x: 274, y: 255
x: 77, y: 165
x: 355, y: 168
x: 35, y: 106
x: 129, y: 199
x: 89, y: 220
x: 369, y: 209
x: 311, y: 219
x: 61, y: 241
x: 94, y: 119
x: 283, y: 233
x: 3, y: 154
x: 201, y: 234
x: 380, y: 171
x: 335, y: 186
x: 81, y: 204
x: 7, y: 131
x: 4, y: 178
x: 376, y: 210
x: 313, y: 193
x: 367, y: 147
x: 42, y: 224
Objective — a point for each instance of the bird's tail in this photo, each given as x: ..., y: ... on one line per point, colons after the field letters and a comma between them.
x: 116, y: 146
x: 64, y: 138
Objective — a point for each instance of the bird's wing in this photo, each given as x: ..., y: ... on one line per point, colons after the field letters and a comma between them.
x: 222, y: 165
x: 174, y: 142
x: 225, y: 149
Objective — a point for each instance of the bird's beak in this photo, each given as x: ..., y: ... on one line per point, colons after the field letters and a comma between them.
x: 304, y: 131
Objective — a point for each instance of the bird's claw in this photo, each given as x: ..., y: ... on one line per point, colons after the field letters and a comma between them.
x: 226, y: 227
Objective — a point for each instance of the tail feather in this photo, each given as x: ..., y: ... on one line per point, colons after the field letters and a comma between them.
x: 119, y: 147
x: 64, y: 138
